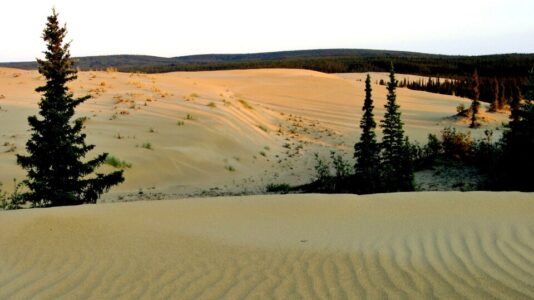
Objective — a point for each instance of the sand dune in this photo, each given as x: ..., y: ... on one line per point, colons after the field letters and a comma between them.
x: 245, y: 128
x: 412, y: 245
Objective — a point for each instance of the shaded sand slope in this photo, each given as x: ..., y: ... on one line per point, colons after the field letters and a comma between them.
x: 411, y: 245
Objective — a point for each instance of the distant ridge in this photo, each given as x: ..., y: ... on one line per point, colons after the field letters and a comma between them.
x: 324, y: 60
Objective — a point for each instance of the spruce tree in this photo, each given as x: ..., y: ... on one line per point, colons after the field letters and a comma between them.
x: 475, y: 104
x: 515, y: 168
x: 397, y: 171
x: 502, y: 94
x: 56, y: 172
x: 494, y: 105
x: 367, y: 151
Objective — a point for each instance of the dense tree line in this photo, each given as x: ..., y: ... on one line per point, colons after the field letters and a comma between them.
x: 498, y: 91
x: 327, y: 60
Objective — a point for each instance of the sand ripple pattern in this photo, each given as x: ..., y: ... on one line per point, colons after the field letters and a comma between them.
x: 400, y: 246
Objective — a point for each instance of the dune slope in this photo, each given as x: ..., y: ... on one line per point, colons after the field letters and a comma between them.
x: 214, y: 132
x: 411, y: 245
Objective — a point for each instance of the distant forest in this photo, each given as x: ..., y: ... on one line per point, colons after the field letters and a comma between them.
x: 508, y: 70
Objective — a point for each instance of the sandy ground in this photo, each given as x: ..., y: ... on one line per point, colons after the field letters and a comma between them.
x: 217, y: 132
x: 447, y: 245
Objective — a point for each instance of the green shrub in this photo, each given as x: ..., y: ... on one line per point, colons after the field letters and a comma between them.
x: 322, y: 169
x: 282, y: 188
x: 117, y: 163
x: 462, y: 111
x: 456, y: 145
x: 342, y: 167
x: 14, y: 200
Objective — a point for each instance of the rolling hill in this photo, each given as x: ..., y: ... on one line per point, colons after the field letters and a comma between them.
x: 323, y: 60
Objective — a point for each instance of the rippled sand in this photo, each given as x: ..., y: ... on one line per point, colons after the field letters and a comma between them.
x: 409, y: 245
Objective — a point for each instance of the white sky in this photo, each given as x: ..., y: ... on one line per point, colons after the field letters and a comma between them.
x: 183, y: 27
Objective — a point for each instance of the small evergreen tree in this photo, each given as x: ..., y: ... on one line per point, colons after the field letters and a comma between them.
x: 56, y: 174
x: 515, y: 168
x: 397, y: 171
x: 475, y: 104
x: 367, y: 151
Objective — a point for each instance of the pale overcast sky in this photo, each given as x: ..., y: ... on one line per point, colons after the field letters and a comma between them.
x: 175, y: 28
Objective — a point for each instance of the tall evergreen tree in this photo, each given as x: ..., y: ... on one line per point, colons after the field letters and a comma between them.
x: 475, y: 104
x: 494, y: 105
x: 518, y: 144
x: 56, y: 174
x: 397, y: 171
x: 367, y: 150
x: 502, y: 94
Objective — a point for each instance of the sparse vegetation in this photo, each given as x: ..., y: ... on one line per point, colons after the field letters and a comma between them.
x: 147, y: 145
x: 245, y: 104
x: 15, y: 200
x: 229, y: 168
x: 117, y: 163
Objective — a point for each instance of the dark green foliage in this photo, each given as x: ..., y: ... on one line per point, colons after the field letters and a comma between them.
x: 433, y: 148
x: 517, y: 163
x: 486, y: 155
x: 475, y: 104
x: 327, y: 182
x: 367, y: 150
x: 515, y: 104
x: 396, y: 165
x: 56, y: 174
x: 342, y: 168
x: 282, y: 188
